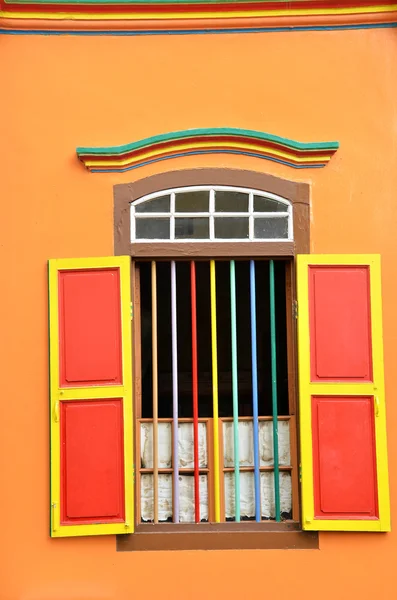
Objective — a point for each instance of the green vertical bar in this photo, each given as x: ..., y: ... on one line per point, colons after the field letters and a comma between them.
x: 274, y: 391
x: 233, y: 320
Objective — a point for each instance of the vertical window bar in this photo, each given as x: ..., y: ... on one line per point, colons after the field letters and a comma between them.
x: 132, y: 222
x: 212, y: 210
x: 215, y: 393
x: 172, y: 217
x: 255, y: 391
x: 233, y: 320
x: 274, y: 390
x: 155, y: 395
x: 251, y: 215
x: 174, y: 335
x: 195, y: 392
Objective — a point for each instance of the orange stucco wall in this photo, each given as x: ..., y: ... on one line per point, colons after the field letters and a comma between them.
x: 61, y: 92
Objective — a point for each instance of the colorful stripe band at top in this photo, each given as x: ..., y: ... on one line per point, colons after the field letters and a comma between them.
x: 154, y: 17
x: 206, y: 140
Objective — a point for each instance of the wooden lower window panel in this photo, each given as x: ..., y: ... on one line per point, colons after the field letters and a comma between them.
x: 223, y: 536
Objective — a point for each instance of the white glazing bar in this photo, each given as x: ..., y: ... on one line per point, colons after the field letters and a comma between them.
x: 132, y: 222
x: 174, y: 334
x: 290, y: 223
x: 156, y: 215
x: 212, y: 209
x: 172, y: 220
x: 251, y: 218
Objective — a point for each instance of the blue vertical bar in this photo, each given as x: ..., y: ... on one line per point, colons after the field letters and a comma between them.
x: 254, y: 359
x: 274, y: 390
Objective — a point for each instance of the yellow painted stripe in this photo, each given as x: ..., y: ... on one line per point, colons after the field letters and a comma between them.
x: 202, y: 145
x: 217, y: 14
x: 308, y: 389
x: 215, y: 394
x: 84, y: 393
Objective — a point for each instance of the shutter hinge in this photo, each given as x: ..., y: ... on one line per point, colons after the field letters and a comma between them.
x: 53, y: 508
x: 300, y: 473
x: 56, y: 412
x: 131, y: 310
x: 295, y: 309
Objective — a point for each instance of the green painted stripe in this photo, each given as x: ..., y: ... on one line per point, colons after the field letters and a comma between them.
x: 233, y: 319
x: 214, y: 132
x: 274, y: 391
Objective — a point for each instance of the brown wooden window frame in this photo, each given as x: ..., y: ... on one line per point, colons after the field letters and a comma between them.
x: 180, y: 536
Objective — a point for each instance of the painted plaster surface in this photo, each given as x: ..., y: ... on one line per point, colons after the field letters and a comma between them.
x: 58, y: 92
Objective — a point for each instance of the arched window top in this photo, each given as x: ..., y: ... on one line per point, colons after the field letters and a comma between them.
x: 211, y: 213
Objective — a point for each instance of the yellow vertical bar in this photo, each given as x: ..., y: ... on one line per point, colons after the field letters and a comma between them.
x: 155, y: 397
x: 215, y: 392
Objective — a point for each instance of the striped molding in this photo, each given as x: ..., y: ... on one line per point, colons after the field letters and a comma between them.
x: 150, y: 17
x: 225, y: 140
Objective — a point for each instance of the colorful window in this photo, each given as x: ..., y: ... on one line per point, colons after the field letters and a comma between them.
x: 209, y: 371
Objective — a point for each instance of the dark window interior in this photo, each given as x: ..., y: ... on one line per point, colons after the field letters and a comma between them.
x: 204, y: 338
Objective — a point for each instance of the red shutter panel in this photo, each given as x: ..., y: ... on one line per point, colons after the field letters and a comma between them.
x: 342, y: 413
x: 91, y: 397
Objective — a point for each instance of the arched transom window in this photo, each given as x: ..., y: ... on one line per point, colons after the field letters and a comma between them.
x: 209, y: 213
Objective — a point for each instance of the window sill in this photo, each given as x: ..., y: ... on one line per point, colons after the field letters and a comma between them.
x: 218, y: 536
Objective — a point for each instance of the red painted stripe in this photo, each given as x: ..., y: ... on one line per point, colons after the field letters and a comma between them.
x: 150, y: 8
x: 340, y: 323
x: 195, y: 391
x: 92, y: 462
x: 89, y: 327
x: 344, y: 458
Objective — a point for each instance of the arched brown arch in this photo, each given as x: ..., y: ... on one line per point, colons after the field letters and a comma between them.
x: 297, y: 193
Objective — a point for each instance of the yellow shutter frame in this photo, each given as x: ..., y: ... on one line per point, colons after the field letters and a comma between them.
x: 64, y: 395
x: 374, y: 389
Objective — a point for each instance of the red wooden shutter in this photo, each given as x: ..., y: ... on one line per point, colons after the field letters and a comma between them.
x: 342, y: 411
x: 91, y: 397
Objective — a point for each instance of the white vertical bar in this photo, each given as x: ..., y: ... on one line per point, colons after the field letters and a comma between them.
x: 212, y: 210
x: 172, y: 217
x: 251, y: 215
x: 132, y: 222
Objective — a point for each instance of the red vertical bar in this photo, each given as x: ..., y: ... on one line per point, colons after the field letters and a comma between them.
x: 195, y: 391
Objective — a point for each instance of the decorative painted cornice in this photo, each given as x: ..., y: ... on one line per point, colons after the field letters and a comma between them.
x: 225, y: 140
x: 149, y: 17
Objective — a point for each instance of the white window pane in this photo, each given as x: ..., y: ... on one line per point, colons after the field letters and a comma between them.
x: 161, y: 204
x: 192, y: 201
x: 246, y: 443
x: 231, y: 228
x: 164, y: 497
x: 262, y: 204
x: 186, y: 445
x: 186, y: 498
x: 164, y: 446
x: 247, y: 495
x: 195, y: 228
x: 271, y: 228
x: 227, y: 201
x: 152, y: 229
